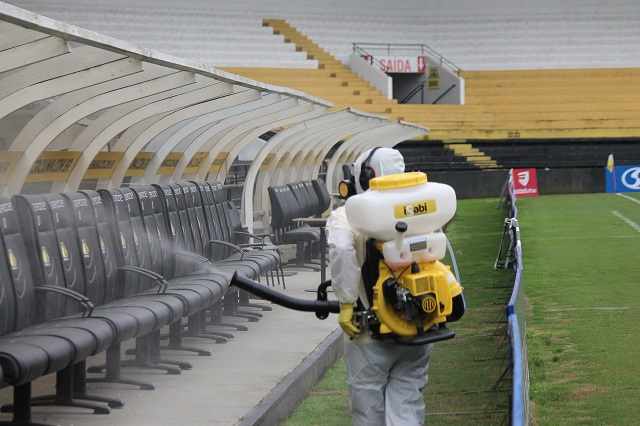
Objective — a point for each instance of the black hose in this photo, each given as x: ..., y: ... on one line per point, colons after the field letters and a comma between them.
x: 322, y: 308
x: 305, y: 305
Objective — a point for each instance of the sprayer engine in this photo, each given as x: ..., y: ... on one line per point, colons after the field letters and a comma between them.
x: 414, y: 293
x: 413, y: 302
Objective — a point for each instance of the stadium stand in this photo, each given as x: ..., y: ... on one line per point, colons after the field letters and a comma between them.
x: 223, y: 38
x: 494, y: 110
x: 502, y: 40
x: 471, y: 34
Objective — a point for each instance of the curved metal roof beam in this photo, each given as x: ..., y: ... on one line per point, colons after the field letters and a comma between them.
x: 290, y: 169
x: 402, y: 129
x: 90, y: 102
x: 390, y: 135
x: 135, y: 122
x: 83, y: 67
x: 359, y: 115
x: 32, y: 52
x: 323, y: 146
x: 222, y: 101
x: 283, y: 113
x: 187, y: 141
x: 102, y: 123
x: 299, y: 113
x: 12, y: 35
x: 87, y: 97
x: 267, y: 161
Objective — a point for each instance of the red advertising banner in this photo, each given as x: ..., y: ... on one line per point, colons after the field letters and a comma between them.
x: 525, y: 182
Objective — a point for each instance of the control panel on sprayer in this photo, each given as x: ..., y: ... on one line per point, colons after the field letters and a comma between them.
x: 415, y: 293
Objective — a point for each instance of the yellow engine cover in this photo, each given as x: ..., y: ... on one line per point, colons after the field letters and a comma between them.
x: 434, y: 283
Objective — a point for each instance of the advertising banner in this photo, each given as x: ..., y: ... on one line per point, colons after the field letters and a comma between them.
x: 53, y: 165
x: 7, y: 164
x: 622, y: 178
x: 103, y: 165
x: 525, y: 182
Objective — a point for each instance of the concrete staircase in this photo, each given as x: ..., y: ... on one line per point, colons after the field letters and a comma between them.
x: 473, y: 155
x: 337, y: 83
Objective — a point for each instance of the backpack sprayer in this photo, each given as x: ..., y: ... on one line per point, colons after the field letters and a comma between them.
x: 414, y: 294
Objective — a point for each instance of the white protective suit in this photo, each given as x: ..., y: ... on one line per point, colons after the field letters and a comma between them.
x: 385, y: 380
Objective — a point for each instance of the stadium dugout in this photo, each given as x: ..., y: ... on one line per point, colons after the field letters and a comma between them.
x: 162, y: 128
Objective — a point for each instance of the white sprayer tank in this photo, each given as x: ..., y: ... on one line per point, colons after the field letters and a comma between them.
x: 407, y: 197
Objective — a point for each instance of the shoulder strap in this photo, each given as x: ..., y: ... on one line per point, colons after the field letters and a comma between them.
x: 370, y: 270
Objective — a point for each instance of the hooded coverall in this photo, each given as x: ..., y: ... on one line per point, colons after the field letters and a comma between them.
x: 385, y: 380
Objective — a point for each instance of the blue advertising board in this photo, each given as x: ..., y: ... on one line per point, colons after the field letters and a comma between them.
x: 623, y: 179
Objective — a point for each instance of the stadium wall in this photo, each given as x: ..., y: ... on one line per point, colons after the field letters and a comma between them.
x: 487, y: 184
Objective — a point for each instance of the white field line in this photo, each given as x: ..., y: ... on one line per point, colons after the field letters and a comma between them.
x: 545, y: 238
x: 626, y: 220
x: 628, y: 198
x: 612, y: 308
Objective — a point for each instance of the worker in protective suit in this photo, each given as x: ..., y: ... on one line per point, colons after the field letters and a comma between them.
x: 385, y: 380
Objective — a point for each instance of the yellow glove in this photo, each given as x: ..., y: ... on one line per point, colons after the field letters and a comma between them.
x: 344, y: 319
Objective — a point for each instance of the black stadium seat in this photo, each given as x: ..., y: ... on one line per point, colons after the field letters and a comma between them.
x: 24, y: 356
x: 196, y: 292
x: 143, y: 278
x: 224, y: 226
x: 53, y: 343
x: 266, y: 256
x: 322, y: 193
x: 305, y: 207
x: 85, y: 271
x: 285, y: 207
x: 206, y: 285
x: 314, y: 200
x: 188, y: 260
x: 131, y: 317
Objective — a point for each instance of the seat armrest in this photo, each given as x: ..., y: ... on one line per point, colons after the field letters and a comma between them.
x: 194, y: 256
x: 158, y: 279
x: 87, y: 305
x: 261, y: 236
x: 238, y: 249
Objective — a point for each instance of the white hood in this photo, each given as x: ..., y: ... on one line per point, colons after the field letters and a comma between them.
x: 385, y: 161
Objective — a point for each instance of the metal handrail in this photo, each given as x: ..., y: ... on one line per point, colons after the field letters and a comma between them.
x: 443, y: 94
x: 390, y: 47
x: 418, y: 89
x: 372, y: 59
